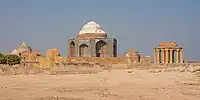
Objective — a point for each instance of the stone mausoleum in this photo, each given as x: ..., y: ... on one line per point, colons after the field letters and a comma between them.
x: 92, y: 41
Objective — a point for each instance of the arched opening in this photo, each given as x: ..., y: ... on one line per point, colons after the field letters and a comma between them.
x: 137, y: 56
x: 101, y: 49
x: 83, y: 50
x: 72, y: 49
x: 114, y: 50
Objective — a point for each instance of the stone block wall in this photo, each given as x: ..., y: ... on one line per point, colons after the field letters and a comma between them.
x: 145, y: 60
x: 108, y: 60
x: 46, y: 62
x: 90, y: 36
x: 52, y: 52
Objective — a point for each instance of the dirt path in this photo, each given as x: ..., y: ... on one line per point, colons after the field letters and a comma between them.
x: 107, y: 85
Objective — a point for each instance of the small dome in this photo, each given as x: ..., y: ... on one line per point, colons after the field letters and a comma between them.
x: 91, y: 27
x: 24, y: 47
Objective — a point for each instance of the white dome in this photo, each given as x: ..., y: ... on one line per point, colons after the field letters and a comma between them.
x: 91, y: 27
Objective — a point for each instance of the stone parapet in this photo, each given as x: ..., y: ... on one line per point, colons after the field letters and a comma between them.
x: 168, y: 44
x: 90, y: 36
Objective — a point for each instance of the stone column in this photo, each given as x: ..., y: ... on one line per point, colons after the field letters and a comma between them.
x: 29, y: 55
x: 68, y: 48
x: 158, y: 55
x: 181, y: 56
x: 177, y: 56
x: 167, y: 56
x: 171, y: 56
x: 76, y: 48
x: 163, y: 55
x: 154, y: 52
x: 105, y: 50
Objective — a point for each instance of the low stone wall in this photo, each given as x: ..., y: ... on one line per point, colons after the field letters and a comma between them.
x: 108, y: 60
x: 18, y: 70
x: 82, y: 68
x: 145, y: 60
x: 46, y: 62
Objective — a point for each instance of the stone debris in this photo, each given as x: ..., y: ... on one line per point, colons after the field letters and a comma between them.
x: 193, y: 69
x: 185, y: 68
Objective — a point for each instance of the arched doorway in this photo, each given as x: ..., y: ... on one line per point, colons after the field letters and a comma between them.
x: 72, y: 49
x: 137, y: 57
x: 101, y: 49
x: 83, y: 50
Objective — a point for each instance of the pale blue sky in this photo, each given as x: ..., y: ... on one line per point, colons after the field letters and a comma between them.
x: 138, y: 24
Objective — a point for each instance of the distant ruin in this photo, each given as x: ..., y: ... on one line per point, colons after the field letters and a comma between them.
x: 168, y: 52
x: 92, y: 46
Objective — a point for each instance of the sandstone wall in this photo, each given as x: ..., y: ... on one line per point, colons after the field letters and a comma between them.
x: 108, y: 60
x: 49, y: 62
x: 46, y: 62
x: 145, y: 60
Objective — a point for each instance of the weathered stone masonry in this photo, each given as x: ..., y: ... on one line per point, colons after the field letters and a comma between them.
x: 168, y: 52
x: 92, y: 41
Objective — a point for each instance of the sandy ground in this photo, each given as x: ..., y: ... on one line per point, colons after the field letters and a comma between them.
x: 106, y: 85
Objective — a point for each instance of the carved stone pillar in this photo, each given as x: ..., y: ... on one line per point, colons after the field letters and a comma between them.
x: 154, y: 52
x: 29, y: 55
x: 166, y: 55
x: 68, y: 48
x: 163, y: 55
x: 181, y: 56
x: 105, y: 50
x: 158, y: 55
x: 76, y: 48
x: 171, y: 56
x: 177, y: 55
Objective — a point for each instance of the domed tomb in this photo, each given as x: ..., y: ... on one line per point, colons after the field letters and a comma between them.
x: 91, y: 30
x: 92, y: 41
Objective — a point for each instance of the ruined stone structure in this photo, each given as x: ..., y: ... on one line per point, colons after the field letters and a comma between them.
x: 26, y: 52
x: 91, y: 45
x: 28, y: 56
x: 92, y: 41
x: 49, y: 60
x: 132, y: 56
x: 53, y: 52
x: 168, y: 52
x: 145, y: 60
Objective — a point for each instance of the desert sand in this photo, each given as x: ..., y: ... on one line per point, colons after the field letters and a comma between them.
x: 116, y: 84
